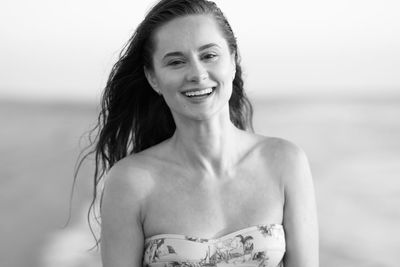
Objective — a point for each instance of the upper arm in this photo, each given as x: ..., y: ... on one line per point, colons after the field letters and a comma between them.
x: 299, y: 217
x: 121, y: 223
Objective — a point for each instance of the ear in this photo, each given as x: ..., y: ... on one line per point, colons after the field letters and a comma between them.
x: 151, y: 80
x: 233, y: 61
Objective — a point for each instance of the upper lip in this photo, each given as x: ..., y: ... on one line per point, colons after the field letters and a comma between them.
x: 197, y: 89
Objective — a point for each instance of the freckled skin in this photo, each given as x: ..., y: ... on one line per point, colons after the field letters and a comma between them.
x: 233, y: 178
x: 193, y: 68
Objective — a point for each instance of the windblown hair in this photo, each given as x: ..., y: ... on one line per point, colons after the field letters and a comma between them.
x: 133, y: 116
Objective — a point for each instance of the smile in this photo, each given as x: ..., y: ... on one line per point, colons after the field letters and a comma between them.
x: 199, y: 92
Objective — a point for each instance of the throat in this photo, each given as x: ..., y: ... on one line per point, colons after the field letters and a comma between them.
x: 212, y: 158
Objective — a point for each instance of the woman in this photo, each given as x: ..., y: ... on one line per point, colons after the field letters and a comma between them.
x: 185, y: 173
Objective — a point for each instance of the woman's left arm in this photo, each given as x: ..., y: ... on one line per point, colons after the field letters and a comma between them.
x: 299, y: 216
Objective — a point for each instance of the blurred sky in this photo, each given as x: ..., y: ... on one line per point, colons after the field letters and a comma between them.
x: 54, y: 49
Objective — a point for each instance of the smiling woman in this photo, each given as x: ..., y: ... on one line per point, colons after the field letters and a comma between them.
x: 187, y: 181
x: 196, y: 80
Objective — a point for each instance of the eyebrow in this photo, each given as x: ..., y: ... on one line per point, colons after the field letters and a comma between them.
x: 203, y: 47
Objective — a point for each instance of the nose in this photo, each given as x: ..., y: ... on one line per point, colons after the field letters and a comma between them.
x: 197, y: 72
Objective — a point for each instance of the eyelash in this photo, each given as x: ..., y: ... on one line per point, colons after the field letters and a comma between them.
x: 209, y: 56
x: 212, y: 56
x: 175, y: 62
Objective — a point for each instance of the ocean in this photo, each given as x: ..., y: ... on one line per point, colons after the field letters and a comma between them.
x: 352, y: 143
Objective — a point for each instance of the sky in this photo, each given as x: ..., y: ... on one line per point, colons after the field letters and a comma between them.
x: 54, y: 49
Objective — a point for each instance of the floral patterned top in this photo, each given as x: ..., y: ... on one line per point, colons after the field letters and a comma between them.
x: 261, y: 245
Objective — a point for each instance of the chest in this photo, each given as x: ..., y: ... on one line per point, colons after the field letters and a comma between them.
x: 197, y: 206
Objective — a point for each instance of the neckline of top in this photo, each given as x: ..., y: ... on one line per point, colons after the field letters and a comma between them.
x: 199, y: 239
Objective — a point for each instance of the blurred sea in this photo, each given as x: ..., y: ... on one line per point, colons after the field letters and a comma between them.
x: 352, y: 142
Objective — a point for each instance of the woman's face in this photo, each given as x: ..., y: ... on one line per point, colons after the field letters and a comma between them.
x: 193, y: 68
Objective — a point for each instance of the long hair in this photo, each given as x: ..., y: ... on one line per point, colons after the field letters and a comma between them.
x: 133, y: 116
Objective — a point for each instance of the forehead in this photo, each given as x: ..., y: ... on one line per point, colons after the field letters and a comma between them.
x: 188, y: 33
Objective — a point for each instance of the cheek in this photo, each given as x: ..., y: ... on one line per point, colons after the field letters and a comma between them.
x: 170, y: 81
x: 225, y: 75
x: 225, y: 71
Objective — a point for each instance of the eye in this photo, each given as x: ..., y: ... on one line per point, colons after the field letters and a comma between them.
x: 175, y: 62
x: 210, y: 56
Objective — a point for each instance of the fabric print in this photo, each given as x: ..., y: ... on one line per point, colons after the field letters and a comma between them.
x: 157, y: 249
x: 183, y: 264
x: 240, y: 249
x: 276, y: 233
x: 265, y: 230
x: 250, y: 247
x: 150, y: 251
x: 262, y: 258
x: 196, y: 239
x: 222, y: 250
x: 222, y: 255
x: 236, y: 247
x: 164, y: 250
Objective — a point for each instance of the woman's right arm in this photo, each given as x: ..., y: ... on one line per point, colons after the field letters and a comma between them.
x: 121, y: 221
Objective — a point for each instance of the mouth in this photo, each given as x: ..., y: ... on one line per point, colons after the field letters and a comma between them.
x: 199, y: 92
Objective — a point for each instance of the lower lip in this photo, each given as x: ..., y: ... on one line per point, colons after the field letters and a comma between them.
x: 200, y: 98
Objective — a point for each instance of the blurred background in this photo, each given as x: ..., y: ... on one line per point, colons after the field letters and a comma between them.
x: 325, y: 75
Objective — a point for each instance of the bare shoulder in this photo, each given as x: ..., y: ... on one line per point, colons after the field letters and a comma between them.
x: 135, y: 177
x: 287, y: 159
x: 127, y: 185
x: 130, y: 180
x: 280, y: 146
x: 289, y: 164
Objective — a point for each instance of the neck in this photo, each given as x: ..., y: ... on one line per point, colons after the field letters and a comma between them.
x: 209, y: 146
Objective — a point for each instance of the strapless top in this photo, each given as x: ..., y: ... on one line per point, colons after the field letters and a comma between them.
x: 260, y: 245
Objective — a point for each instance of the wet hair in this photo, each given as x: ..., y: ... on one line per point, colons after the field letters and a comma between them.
x: 133, y: 116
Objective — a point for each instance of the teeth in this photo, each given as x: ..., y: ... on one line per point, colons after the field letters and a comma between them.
x: 200, y: 92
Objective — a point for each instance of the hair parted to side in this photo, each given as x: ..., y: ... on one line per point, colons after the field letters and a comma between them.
x: 133, y: 116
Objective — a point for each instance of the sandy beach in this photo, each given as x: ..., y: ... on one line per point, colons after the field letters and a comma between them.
x: 353, y: 145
